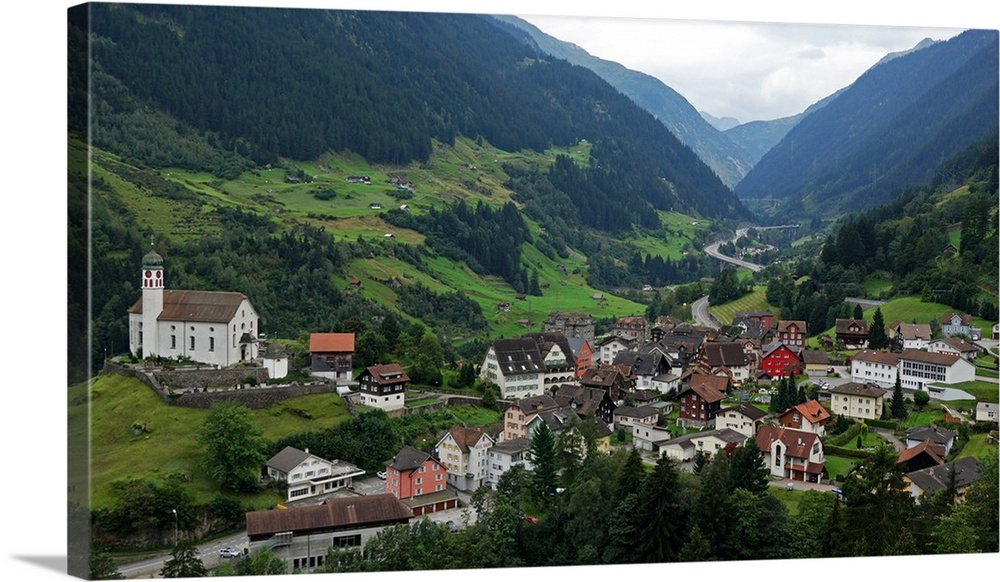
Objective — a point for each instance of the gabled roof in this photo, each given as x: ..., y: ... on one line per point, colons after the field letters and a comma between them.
x: 815, y: 357
x: 844, y: 326
x: 532, y: 404
x: 798, y: 443
x: 935, y: 478
x: 466, y: 437
x: 409, y: 458
x: 604, y: 378
x: 811, y: 410
x: 747, y: 410
x: 287, y: 459
x: 705, y: 387
x: 963, y: 318
x: 775, y: 346
x: 726, y: 354
x: 724, y: 434
x: 342, y: 513
x: 512, y: 446
x: 387, y: 374
x: 546, y: 338
x: 518, y: 356
x: 784, y: 324
x: 858, y: 389
x: 941, y: 436
x: 915, y: 330
x: 932, y: 450
x: 642, y: 363
x: 196, y: 306
x: 958, y: 344
x: 331, y: 342
x: 636, y: 411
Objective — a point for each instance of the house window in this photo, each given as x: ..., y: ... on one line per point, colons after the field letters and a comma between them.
x: 192, y: 343
x: 173, y: 342
x: 211, y: 344
x: 346, y: 541
x: 298, y: 492
x: 419, y: 481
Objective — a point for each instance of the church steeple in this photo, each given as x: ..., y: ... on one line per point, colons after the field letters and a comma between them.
x: 152, y: 302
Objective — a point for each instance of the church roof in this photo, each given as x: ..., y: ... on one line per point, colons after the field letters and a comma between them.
x: 196, y: 306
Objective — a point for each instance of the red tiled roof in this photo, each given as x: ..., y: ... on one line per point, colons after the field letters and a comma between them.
x: 387, y: 374
x: 466, y: 437
x: 935, y: 451
x: 331, y: 342
x: 798, y: 443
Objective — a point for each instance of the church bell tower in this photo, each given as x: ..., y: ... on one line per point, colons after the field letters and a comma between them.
x: 152, y: 302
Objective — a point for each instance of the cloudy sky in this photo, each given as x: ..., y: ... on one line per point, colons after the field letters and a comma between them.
x: 748, y: 71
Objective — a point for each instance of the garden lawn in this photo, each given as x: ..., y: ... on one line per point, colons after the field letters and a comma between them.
x: 978, y: 447
x: 170, y: 446
x: 839, y: 465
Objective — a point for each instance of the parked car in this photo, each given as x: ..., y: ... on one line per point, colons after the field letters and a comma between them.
x: 452, y: 526
x: 381, y: 475
x: 791, y: 486
x: 531, y: 519
x: 229, y: 553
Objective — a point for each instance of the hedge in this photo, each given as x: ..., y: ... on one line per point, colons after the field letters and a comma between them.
x: 845, y: 437
x: 846, y: 452
x: 889, y: 424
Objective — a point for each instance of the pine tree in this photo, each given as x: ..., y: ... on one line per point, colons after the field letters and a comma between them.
x: 897, y: 405
x: 543, y: 458
x: 877, y: 340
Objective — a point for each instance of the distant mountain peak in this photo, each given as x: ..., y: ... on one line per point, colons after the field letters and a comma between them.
x: 919, y: 46
x: 720, y: 123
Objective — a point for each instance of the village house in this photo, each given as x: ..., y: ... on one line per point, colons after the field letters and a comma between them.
x: 665, y: 384
x: 791, y: 333
x: 627, y: 416
x: 791, y: 454
x: 728, y: 356
x: 557, y: 356
x: 853, y: 333
x: 909, y: 336
x: 953, y: 324
x: 516, y: 367
x: 810, y: 416
x: 924, y: 455
x: 779, y: 360
x: 583, y: 353
x: 302, y: 536
x: 642, y: 367
x: 308, y: 475
x: 420, y: 481
x: 954, y: 346
x: 744, y: 418
x: 584, y: 400
x: 649, y: 437
x: 933, y: 479
x: 939, y: 436
x: 572, y: 324
x: 332, y: 355
x: 918, y: 369
x: 765, y: 318
x: 857, y: 401
x: 987, y: 412
x: 609, y: 379
x: 610, y: 346
x: 506, y: 454
x: 875, y: 367
x: 519, y: 413
x: 383, y: 386
x: 210, y: 327
x: 708, y: 443
x: 700, y: 401
x: 815, y: 360
x: 464, y: 451
x: 631, y: 328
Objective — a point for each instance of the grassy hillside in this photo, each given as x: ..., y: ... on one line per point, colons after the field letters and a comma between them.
x: 755, y: 301
x: 170, y: 446
x: 179, y: 204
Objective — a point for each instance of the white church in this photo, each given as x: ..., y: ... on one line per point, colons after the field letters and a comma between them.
x: 210, y: 327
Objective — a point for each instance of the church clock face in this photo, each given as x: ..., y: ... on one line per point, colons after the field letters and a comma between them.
x: 149, y: 274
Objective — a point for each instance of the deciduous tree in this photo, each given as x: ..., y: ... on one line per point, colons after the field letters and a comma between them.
x: 235, y: 447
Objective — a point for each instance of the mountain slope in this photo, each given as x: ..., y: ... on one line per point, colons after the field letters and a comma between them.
x: 888, y: 130
x: 726, y: 158
x: 272, y: 83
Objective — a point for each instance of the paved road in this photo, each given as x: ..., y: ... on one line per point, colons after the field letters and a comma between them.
x: 699, y: 310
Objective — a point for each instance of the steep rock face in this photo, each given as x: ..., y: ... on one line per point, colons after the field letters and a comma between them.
x: 888, y: 130
x: 726, y: 158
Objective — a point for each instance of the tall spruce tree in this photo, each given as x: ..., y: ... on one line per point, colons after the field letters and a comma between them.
x: 543, y: 458
x: 897, y: 405
x: 877, y: 339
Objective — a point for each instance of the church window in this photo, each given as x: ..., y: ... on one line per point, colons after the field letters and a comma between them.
x: 192, y: 343
x: 211, y: 344
x: 173, y: 342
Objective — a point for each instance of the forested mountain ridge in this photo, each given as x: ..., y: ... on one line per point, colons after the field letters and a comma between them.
x: 890, y: 129
x: 267, y: 83
x: 726, y: 157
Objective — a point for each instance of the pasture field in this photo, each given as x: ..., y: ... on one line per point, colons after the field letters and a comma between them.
x: 754, y: 301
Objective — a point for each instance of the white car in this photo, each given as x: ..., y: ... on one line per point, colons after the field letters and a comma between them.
x: 229, y: 553
x: 381, y: 475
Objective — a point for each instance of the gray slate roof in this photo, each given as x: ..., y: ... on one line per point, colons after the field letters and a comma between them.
x: 287, y: 459
x: 935, y: 478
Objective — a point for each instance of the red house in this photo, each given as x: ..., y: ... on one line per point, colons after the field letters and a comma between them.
x: 583, y: 353
x: 779, y: 360
x: 420, y: 481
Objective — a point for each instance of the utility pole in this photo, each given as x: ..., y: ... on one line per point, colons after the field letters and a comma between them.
x: 175, y: 526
